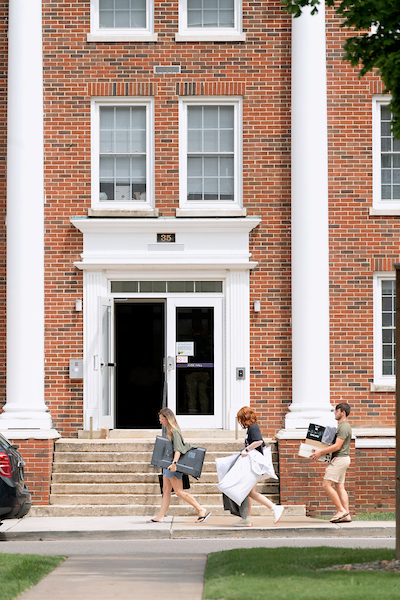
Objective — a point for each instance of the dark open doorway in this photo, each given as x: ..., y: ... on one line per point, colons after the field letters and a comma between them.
x: 139, y: 351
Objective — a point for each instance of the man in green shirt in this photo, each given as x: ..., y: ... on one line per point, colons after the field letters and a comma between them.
x: 333, y: 483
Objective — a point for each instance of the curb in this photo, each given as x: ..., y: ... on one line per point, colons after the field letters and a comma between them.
x: 204, y: 533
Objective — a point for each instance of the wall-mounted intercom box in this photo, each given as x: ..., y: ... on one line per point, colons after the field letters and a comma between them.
x: 76, y: 368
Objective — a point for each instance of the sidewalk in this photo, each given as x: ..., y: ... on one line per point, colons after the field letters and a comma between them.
x: 101, y: 528
x: 172, y: 577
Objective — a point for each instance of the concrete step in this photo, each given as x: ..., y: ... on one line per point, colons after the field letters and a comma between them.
x: 117, y: 473
x: 116, y: 478
x: 145, y: 511
x: 133, y: 499
x: 72, y: 445
x: 198, y: 488
x: 116, y: 467
x: 86, y: 478
x: 151, y: 433
x: 144, y: 457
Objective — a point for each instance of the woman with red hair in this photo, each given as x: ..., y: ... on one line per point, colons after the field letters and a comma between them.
x: 254, y: 441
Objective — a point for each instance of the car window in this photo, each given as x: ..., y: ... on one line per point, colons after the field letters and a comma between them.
x: 4, y: 442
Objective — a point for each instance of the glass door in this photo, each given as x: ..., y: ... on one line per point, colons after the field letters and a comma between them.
x: 194, y: 346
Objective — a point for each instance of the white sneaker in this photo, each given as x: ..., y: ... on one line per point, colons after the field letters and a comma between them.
x: 243, y: 523
x: 277, y: 510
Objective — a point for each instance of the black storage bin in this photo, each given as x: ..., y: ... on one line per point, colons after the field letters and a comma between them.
x: 190, y: 463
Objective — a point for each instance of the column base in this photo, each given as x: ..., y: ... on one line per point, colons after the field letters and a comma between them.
x: 21, y: 420
x: 300, y: 419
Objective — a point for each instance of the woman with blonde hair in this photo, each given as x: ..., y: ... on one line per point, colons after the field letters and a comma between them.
x: 172, y: 479
x: 254, y: 441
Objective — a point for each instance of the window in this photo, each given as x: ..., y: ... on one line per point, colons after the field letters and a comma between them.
x: 384, y: 329
x: 122, y: 20
x: 210, y: 154
x: 210, y: 20
x: 386, y: 159
x: 122, y: 154
x: 171, y: 287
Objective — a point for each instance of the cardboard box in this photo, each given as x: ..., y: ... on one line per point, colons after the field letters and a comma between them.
x: 308, y: 446
x: 318, y: 436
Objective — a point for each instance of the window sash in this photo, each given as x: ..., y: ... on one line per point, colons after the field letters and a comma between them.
x: 210, y: 13
x: 388, y: 331
x: 121, y: 18
x: 390, y: 157
x: 210, y: 153
x: 384, y: 329
x: 204, y: 17
x: 386, y: 160
x: 122, y: 153
x: 210, y: 162
x: 122, y: 14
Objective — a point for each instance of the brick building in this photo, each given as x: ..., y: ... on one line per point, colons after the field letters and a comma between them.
x: 221, y: 194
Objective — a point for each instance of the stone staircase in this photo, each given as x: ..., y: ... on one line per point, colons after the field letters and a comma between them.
x: 113, y: 477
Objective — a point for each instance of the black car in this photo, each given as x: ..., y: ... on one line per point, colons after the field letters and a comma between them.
x: 15, y: 500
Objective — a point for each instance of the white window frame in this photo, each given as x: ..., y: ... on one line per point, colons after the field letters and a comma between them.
x: 210, y: 34
x: 134, y: 205
x: 217, y: 207
x: 380, y: 207
x: 121, y: 34
x: 380, y: 380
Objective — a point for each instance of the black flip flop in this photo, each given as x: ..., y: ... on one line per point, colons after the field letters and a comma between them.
x: 340, y: 519
x: 202, y: 519
x: 154, y: 521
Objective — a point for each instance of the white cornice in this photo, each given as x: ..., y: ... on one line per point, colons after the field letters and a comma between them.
x: 165, y: 225
x: 163, y: 266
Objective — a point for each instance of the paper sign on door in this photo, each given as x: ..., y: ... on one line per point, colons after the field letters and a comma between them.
x: 185, y: 348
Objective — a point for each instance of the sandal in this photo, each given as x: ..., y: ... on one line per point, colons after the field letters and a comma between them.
x: 202, y: 519
x: 340, y: 519
x: 154, y: 521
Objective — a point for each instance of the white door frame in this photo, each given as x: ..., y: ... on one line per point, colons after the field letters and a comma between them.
x: 216, y: 420
x: 106, y: 364
x: 235, y: 339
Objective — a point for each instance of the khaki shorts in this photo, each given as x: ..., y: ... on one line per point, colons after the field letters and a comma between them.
x: 336, y: 471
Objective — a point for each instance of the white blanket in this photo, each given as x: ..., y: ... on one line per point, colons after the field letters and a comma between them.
x: 238, y: 481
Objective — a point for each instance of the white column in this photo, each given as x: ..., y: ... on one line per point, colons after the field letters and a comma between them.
x: 310, y: 241
x: 25, y: 407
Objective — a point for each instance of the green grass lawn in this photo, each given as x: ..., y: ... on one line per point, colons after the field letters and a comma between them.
x: 291, y: 574
x: 385, y: 516
x: 19, y: 572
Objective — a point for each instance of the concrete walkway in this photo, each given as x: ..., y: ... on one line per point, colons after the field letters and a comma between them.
x: 122, y: 578
x: 171, y: 577
x: 126, y: 528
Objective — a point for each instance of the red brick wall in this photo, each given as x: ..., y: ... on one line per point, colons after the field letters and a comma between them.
x: 258, y: 69
x: 375, y: 480
x: 38, y: 457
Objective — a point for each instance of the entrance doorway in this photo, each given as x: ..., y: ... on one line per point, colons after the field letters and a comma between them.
x: 139, y: 356
x: 163, y: 348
